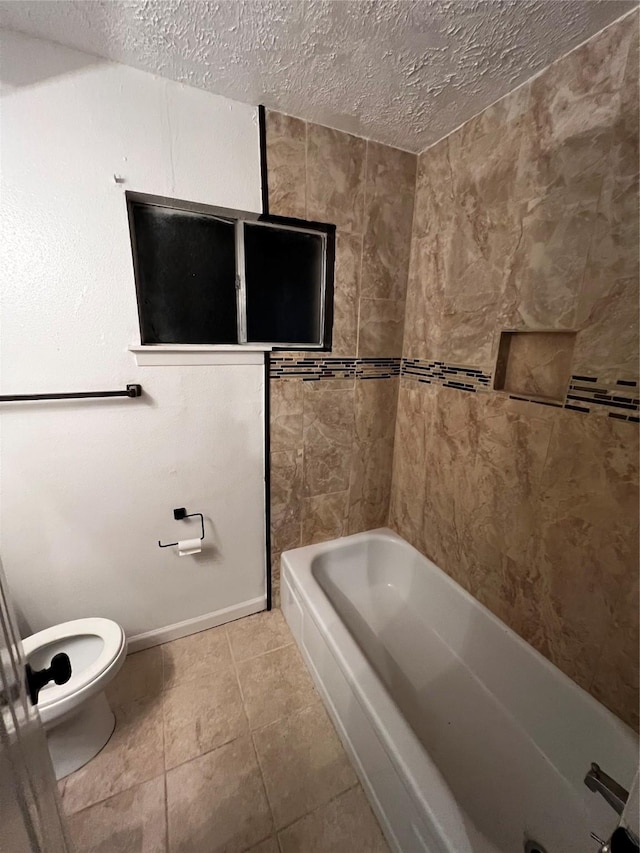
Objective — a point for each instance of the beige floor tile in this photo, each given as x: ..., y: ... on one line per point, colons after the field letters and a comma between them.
x: 202, y: 715
x: 273, y: 685
x: 303, y: 763
x: 196, y: 657
x: 131, y: 822
x: 217, y: 802
x: 345, y: 825
x: 140, y: 677
x: 257, y: 634
x: 133, y: 755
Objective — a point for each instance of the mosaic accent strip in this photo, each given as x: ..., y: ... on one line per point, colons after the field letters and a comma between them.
x: 538, y: 402
x: 585, y: 395
x: 314, y: 368
x: 449, y: 375
x: 622, y: 401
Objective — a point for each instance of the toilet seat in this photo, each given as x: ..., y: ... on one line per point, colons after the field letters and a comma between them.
x: 95, y: 661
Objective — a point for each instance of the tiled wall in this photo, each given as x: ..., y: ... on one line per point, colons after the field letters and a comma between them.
x: 527, y: 217
x: 333, y: 414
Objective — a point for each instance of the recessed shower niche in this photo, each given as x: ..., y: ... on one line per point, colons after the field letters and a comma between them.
x: 535, y: 364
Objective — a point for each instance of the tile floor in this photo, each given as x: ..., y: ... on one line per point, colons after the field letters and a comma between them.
x: 221, y: 744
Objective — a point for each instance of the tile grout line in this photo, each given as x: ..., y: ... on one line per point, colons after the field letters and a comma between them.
x: 249, y: 732
x: 306, y: 169
x: 166, y: 812
x: 68, y: 815
x: 206, y: 752
x: 253, y: 732
x: 162, y: 694
x: 287, y: 716
x: 297, y: 712
x: 164, y: 756
x: 253, y: 745
x: 177, y: 686
x: 363, y: 229
x: 268, y: 651
x: 328, y: 802
x: 264, y: 785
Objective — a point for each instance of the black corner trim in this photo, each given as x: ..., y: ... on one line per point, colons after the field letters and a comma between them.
x: 267, y: 475
x: 264, y: 178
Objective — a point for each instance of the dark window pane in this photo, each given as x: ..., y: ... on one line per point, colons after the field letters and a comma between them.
x: 283, y: 271
x: 185, y: 271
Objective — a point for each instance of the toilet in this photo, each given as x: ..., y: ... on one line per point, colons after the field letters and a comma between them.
x: 76, y: 716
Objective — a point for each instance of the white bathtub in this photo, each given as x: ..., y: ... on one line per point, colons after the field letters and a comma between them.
x: 465, y: 738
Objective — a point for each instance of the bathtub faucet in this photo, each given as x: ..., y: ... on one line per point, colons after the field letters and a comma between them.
x: 599, y: 782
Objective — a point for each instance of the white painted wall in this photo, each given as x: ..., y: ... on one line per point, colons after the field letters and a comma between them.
x: 88, y: 487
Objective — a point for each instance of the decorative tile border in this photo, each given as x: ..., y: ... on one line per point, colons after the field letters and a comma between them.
x: 377, y: 368
x: 450, y: 375
x: 585, y: 394
x: 587, y: 397
x: 314, y: 368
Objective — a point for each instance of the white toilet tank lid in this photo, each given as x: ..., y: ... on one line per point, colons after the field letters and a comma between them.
x: 109, y: 632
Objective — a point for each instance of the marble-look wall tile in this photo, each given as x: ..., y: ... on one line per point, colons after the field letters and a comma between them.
x: 450, y: 494
x: 376, y: 402
x: 381, y: 328
x: 346, y: 294
x: 285, y: 536
x: 370, y: 484
x: 527, y: 218
x: 390, y: 182
x: 286, y: 164
x: 286, y: 408
x: 565, y: 154
x: 431, y: 225
x: 326, y: 470
x: 511, y: 450
x: 335, y: 178
x: 276, y: 598
x: 591, y: 473
x: 286, y: 487
x: 607, y: 313
x: 587, y: 553
x: 328, y: 434
x: 537, y: 516
x: 328, y: 415
x: 286, y: 463
x: 579, y: 569
x: 324, y: 517
x: 407, y: 494
x: 332, y: 440
x: 587, y: 548
x: 615, y: 678
x: 483, y: 229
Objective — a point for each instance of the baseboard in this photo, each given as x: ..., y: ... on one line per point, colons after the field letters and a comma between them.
x: 198, y: 623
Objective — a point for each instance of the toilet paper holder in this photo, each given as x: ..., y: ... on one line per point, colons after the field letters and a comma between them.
x: 179, y: 514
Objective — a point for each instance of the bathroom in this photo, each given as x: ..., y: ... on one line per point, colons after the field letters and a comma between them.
x: 363, y: 582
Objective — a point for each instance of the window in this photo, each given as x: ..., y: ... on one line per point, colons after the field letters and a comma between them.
x: 207, y: 275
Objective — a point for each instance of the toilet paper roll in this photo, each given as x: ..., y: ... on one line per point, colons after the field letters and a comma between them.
x: 189, y: 546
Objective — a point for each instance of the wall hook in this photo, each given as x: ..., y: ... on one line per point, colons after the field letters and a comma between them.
x: 179, y: 514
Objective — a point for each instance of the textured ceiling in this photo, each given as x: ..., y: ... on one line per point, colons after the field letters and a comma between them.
x: 402, y: 72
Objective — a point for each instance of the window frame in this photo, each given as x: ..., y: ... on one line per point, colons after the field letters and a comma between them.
x: 326, y: 231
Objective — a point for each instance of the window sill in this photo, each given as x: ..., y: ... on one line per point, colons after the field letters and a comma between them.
x: 175, y: 355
